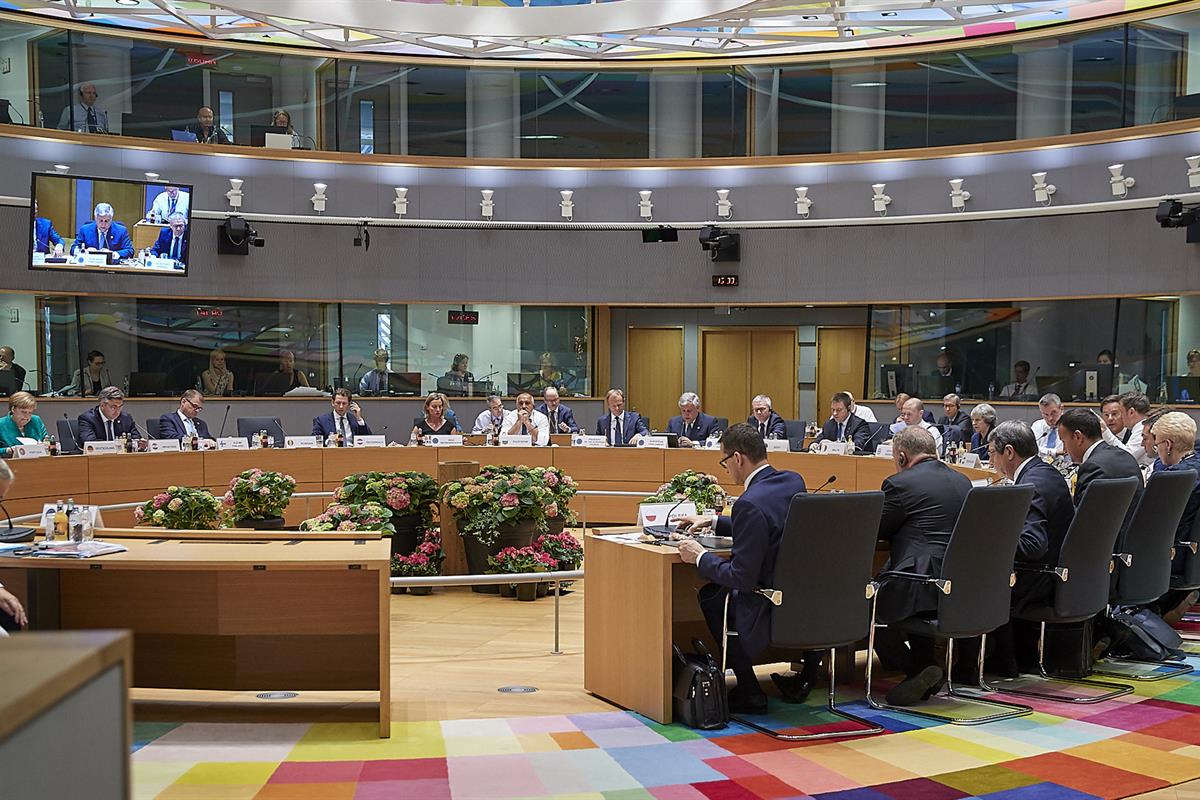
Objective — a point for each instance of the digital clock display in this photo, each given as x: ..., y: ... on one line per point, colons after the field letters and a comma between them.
x: 725, y: 280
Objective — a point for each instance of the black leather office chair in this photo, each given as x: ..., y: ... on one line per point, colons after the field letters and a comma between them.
x: 152, y: 430
x: 68, y: 435
x: 249, y: 426
x: 1080, y: 590
x: 722, y: 424
x: 822, y: 587
x: 975, y: 593
x: 1186, y: 578
x: 1144, y: 565
x: 793, y: 429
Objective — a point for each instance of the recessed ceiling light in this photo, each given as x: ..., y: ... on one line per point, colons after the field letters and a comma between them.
x: 127, y: 2
x: 868, y: 84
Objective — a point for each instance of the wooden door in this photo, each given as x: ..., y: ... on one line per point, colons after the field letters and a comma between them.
x: 654, y: 365
x: 738, y: 363
x: 840, y: 364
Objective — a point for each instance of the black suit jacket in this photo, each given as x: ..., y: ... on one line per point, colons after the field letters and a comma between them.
x: 323, y: 426
x: 93, y: 429
x: 631, y: 425
x: 956, y: 428
x: 920, y: 506
x: 1108, y: 461
x: 756, y: 525
x: 702, y: 427
x: 1046, y: 523
x: 856, y: 430
x: 776, y: 427
x: 565, y: 414
x: 171, y: 427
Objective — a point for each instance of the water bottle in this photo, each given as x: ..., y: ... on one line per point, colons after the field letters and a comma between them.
x: 958, y: 388
x: 991, y: 391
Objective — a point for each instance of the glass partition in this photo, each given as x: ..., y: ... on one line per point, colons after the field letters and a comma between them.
x: 100, y: 81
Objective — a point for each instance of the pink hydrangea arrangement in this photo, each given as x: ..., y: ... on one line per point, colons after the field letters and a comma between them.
x: 180, y: 508
x: 257, y: 494
x: 351, y: 517
x: 425, y: 560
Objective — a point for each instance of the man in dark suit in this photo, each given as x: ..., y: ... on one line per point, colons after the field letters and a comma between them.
x: 756, y: 526
x: 1080, y: 431
x: 843, y: 425
x: 8, y: 356
x: 920, y: 506
x: 955, y: 423
x: 206, y: 132
x: 345, y: 418
x: 107, y: 421
x: 104, y: 234
x: 692, y: 425
x: 768, y: 424
x: 619, y: 426
x: 562, y: 419
x: 45, y: 238
x: 172, y: 240
x: 185, y: 421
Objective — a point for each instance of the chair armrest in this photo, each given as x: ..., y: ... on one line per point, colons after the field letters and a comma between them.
x: 1059, y: 572
x: 1124, y: 558
x: 774, y: 596
x: 1193, y: 546
x: 916, y: 577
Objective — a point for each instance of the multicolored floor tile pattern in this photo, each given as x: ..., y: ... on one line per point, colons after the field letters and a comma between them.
x: 1123, y: 747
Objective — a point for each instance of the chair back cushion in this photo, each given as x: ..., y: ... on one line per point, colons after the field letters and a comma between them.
x: 248, y: 426
x: 68, y: 435
x: 1150, y: 537
x: 152, y: 430
x: 979, y: 560
x: 1088, y: 546
x: 823, y: 568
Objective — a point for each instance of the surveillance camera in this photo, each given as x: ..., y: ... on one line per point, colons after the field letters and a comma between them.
x: 720, y: 244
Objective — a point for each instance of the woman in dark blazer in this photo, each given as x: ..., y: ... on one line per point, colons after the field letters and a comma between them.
x: 983, y: 422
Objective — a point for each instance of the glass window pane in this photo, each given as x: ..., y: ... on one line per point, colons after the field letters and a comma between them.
x: 437, y: 111
x: 723, y: 98
x: 805, y: 109
x: 585, y: 114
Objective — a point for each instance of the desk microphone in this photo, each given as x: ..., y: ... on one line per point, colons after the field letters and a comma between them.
x: 224, y: 420
x: 867, y: 448
x: 15, y: 534
x: 829, y: 480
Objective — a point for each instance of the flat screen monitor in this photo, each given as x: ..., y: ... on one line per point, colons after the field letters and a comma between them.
x: 896, y: 378
x: 407, y: 384
x: 104, y: 225
x: 258, y: 134
x: 1183, y: 389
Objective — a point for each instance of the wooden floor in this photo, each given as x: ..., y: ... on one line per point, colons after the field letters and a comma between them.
x: 451, y: 651
x: 1184, y: 791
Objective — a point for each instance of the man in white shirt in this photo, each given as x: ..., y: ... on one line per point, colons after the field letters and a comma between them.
x: 525, y: 421
x: 1022, y: 385
x: 1135, y: 407
x: 862, y: 412
x: 1113, y: 415
x: 492, y: 417
x: 913, y: 413
x: 1045, y: 430
x: 85, y: 116
x: 169, y: 201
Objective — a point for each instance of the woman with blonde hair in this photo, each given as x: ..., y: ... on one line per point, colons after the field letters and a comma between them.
x: 1175, y: 445
x: 21, y: 422
x: 217, y: 380
x: 435, y: 419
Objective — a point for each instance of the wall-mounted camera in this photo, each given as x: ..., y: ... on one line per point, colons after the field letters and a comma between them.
x: 722, y: 245
x: 235, y: 237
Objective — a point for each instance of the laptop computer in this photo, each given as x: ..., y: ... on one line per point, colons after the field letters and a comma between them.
x: 183, y: 136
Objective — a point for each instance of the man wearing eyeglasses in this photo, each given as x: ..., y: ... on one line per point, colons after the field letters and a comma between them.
x: 756, y: 526
x: 185, y: 421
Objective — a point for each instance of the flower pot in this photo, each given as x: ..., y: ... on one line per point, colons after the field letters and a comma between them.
x: 506, y: 589
x: 399, y: 590
x: 527, y: 591
x: 268, y: 524
x: 420, y: 591
x: 543, y: 588
x: 407, y: 535
x: 567, y: 566
x: 556, y: 524
x: 519, y: 534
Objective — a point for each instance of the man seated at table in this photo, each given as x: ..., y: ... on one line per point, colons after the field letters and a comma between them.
x: 376, y: 380
x: 1022, y: 385
x: 45, y: 238
x: 1045, y: 430
x: 104, y: 234
x: 1113, y: 415
x: 901, y: 399
x: 857, y: 410
x: 618, y: 426
x: 207, y: 132
x: 172, y: 240
x: 84, y: 116
x: 106, y: 421
x: 1135, y: 407
x: 492, y: 417
x: 12, y: 615
x: 912, y: 415
x: 560, y: 415
x: 955, y: 423
x: 346, y: 419
x: 764, y: 419
x: 756, y: 526
x: 1081, y: 432
x: 921, y: 503
x: 185, y: 421
x: 691, y: 425
x: 843, y: 426
x: 527, y: 421
x: 171, y: 200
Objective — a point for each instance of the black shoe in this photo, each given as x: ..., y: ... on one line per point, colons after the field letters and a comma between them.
x: 793, y: 688
x: 747, y: 703
x: 919, y: 687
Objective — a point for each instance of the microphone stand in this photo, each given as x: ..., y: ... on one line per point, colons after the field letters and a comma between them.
x: 224, y: 420
x: 15, y: 533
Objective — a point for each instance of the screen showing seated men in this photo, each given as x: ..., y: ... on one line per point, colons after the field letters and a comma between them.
x: 106, y: 225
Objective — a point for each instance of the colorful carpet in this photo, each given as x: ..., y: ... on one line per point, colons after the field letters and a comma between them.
x: 1123, y: 747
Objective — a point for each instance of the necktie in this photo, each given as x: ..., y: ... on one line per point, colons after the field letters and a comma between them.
x: 841, y: 431
x: 175, y: 249
x: 103, y: 240
x: 687, y: 430
x: 342, y: 428
x: 92, y: 123
x: 1125, y: 438
x: 616, y: 431
x: 171, y: 208
x: 524, y: 431
x: 110, y: 430
x: 762, y: 429
x: 1052, y: 439
x: 554, y: 421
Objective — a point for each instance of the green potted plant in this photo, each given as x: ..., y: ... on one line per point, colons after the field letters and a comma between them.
x: 351, y: 517
x: 410, y: 497
x: 180, y: 508
x: 257, y: 499
x: 425, y: 560
x: 500, y: 507
x: 562, y: 488
x: 702, y: 489
x: 516, y: 560
x: 564, y: 548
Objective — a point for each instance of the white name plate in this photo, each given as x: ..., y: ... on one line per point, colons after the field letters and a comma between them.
x: 584, y: 440
x: 301, y: 442
x: 233, y: 443
x: 375, y: 440
x: 777, y: 445
x: 29, y: 450
x: 444, y: 440
x: 516, y: 440
x: 164, y: 446
x: 969, y: 460
x: 657, y: 513
x: 656, y: 442
x: 39, y: 259
x: 101, y: 448
x: 884, y: 451
x: 156, y: 262
x: 94, y: 260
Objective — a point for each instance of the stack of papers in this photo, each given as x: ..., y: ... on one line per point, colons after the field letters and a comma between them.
x: 78, y: 549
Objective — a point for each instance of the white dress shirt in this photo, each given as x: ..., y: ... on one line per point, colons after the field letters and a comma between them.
x: 937, y: 435
x: 162, y: 204
x: 1134, y: 445
x: 537, y: 419
x: 1020, y: 389
x: 1042, y: 433
x: 864, y: 413
x: 485, y: 422
x: 341, y: 424
x: 188, y: 425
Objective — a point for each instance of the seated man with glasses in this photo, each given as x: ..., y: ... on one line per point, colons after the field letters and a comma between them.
x: 756, y: 526
x: 106, y: 421
x: 185, y: 421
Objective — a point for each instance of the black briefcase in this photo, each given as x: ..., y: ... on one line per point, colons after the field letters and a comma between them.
x: 1069, y: 649
x: 699, y: 696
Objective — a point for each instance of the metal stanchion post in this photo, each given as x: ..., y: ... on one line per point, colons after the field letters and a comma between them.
x: 557, y: 651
